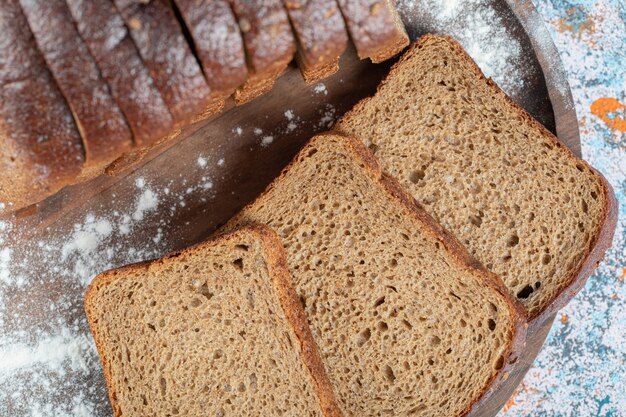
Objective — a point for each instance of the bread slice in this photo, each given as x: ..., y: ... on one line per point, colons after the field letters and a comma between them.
x: 405, y: 321
x: 268, y: 42
x: 166, y: 53
x: 102, y: 125
x: 218, y: 43
x: 520, y: 201
x: 215, y: 330
x: 132, y: 87
x: 41, y: 147
x: 375, y: 28
x: 321, y: 35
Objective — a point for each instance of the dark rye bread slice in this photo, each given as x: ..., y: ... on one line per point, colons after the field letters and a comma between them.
x: 521, y: 202
x: 268, y: 42
x: 217, y: 43
x: 101, y: 123
x: 215, y: 330
x: 166, y: 53
x: 375, y: 28
x: 321, y: 35
x: 405, y: 320
x: 132, y: 87
x: 41, y: 148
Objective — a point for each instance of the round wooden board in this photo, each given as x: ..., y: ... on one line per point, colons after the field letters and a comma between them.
x: 248, y: 166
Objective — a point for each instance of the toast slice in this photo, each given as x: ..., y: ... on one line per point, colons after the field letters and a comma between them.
x: 405, y: 320
x: 268, y: 42
x: 217, y: 43
x: 214, y: 330
x: 41, y: 147
x: 102, y: 125
x: 132, y: 87
x: 165, y: 51
x: 521, y: 202
x: 375, y: 28
x: 321, y: 36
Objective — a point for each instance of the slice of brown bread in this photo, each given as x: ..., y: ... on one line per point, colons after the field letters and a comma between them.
x: 41, y: 147
x: 405, y: 320
x: 321, y: 35
x: 521, y: 202
x: 268, y: 42
x: 375, y: 28
x: 166, y: 53
x: 218, y: 43
x: 132, y: 87
x: 103, y: 128
x: 215, y: 330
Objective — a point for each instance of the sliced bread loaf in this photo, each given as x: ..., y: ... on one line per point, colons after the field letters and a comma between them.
x: 218, y: 43
x: 375, y: 28
x: 520, y: 201
x: 268, y: 42
x: 166, y: 53
x: 41, y: 147
x: 215, y: 330
x: 132, y: 87
x: 405, y: 321
x: 100, y: 121
x: 321, y: 35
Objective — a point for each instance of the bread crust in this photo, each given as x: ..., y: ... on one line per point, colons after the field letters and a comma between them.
x: 602, y: 239
x: 128, y: 78
x: 268, y: 41
x: 102, y: 125
x: 321, y: 36
x: 42, y: 148
x: 282, y: 283
x: 375, y: 28
x: 218, y: 43
x: 412, y: 208
x: 166, y: 53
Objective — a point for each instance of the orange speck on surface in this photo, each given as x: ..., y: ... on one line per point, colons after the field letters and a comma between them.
x: 614, y: 296
x: 623, y: 277
x: 604, y: 106
x: 564, y: 318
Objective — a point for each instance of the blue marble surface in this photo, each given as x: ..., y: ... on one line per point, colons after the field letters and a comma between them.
x: 581, y: 370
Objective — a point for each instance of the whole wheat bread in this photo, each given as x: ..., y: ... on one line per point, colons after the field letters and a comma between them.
x: 215, y: 330
x: 375, y: 28
x: 102, y: 125
x: 321, y: 35
x: 217, y: 42
x: 268, y: 41
x: 407, y: 323
x: 520, y: 201
x: 132, y: 87
x: 41, y: 147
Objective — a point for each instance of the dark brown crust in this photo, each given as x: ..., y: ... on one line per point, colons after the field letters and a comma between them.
x: 164, y: 50
x: 101, y: 123
x: 218, y: 43
x: 42, y: 149
x: 375, y: 28
x: 282, y: 283
x: 394, y: 191
x: 122, y: 68
x: 321, y: 36
x: 603, y: 238
x: 268, y: 41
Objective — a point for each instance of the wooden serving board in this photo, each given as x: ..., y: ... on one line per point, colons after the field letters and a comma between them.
x: 217, y: 166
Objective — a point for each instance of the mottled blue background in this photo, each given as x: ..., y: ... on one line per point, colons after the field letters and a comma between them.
x: 582, y: 369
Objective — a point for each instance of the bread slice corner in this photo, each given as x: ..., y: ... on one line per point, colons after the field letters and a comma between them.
x: 476, y: 160
x: 216, y: 329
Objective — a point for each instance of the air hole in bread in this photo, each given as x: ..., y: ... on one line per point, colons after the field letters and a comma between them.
x: 435, y: 341
x: 363, y: 337
x: 417, y: 175
x: 546, y: 258
x: 242, y: 247
x: 373, y: 148
x: 382, y: 326
x: 379, y: 302
x: 491, y: 323
x: 525, y: 292
x: 513, y: 241
x: 151, y: 327
x: 204, y: 290
x: 238, y: 263
x: 389, y: 375
x: 499, y: 363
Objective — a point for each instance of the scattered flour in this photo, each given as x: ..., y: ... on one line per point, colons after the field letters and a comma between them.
x: 267, y: 141
x: 238, y: 131
x: 202, y: 162
x: 478, y: 27
x: 320, y: 88
x: 221, y: 162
